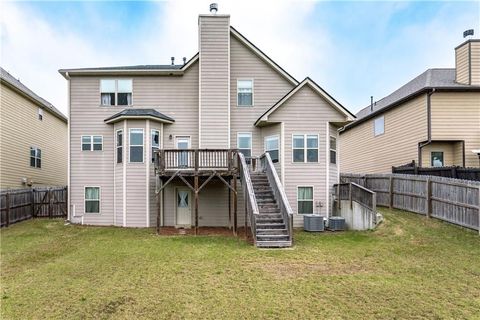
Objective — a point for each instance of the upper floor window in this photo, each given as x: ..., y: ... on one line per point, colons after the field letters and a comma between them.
x: 245, y: 93
x: 116, y: 92
x: 155, y: 142
x: 35, y: 157
x: 271, y: 146
x: 244, y: 144
x: 437, y: 159
x: 333, y: 150
x: 92, y: 143
x: 119, y: 146
x: 379, y: 125
x: 305, y: 148
x: 136, y: 145
x: 40, y: 114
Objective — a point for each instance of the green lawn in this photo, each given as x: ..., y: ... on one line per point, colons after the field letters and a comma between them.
x: 410, y: 267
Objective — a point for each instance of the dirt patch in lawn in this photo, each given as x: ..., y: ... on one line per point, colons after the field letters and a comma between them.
x: 295, y: 270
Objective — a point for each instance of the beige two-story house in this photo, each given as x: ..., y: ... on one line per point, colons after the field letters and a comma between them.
x: 33, y: 138
x: 433, y: 119
x: 227, y: 138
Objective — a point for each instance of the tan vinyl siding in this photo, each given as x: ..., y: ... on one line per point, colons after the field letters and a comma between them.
x: 405, y: 127
x: 269, y: 87
x: 316, y: 112
x: 214, y: 33
x: 456, y: 116
x: 212, y: 206
x: 333, y: 169
x: 475, y: 62
x: 118, y: 186
x: 176, y: 97
x: 20, y: 129
x: 445, y: 147
x: 462, y: 64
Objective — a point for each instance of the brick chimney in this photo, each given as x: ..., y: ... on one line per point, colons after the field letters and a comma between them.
x: 467, y: 62
x: 214, y: 80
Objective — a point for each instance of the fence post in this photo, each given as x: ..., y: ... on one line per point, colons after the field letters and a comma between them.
x: 429, y: 198
x: 391, y: 193
x: 7, y: 207
x: 50, y: 213
x: 32, y: 202
x: 350, y: 195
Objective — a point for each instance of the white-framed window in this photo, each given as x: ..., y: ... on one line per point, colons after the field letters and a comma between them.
x: 245, y: 92
x: 436, y: 159
x: 333, y: 150
x: 136, y: 145
x: 305, y: 199
x: 92, y: 199
x: 35, y: 157
x: 379, y: 126
x: 305, y: 147
x: 155, y: 136
x: 119, y: 145
x: 116, y: 92
x: 92, y: 143
x: 244, y: 144
x: 272, y: 147
x: 40, y: 114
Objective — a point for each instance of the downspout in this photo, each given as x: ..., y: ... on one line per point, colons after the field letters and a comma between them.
x: 69, y: 211
x: 429, y: 127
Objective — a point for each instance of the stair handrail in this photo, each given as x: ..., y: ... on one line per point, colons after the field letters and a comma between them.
x: 248, y: 195
x: 279, y: 192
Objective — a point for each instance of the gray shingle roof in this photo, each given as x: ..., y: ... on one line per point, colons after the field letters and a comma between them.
x: 7, y: 77
x: 432, y: 78
x: 139, y: 113
x: 136, y: 67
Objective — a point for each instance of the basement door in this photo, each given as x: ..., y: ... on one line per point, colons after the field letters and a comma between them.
x: 184, y: 207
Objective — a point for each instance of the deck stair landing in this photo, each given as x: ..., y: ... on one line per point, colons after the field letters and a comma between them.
x: 271, y: 228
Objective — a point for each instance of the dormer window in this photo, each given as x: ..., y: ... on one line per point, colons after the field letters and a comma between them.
x: 245, y: 93
x: 116, y: 92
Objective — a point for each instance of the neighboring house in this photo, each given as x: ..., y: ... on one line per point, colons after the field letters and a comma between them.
x: 33, y: 140
x: 434, y: 119
x: 228, y: 96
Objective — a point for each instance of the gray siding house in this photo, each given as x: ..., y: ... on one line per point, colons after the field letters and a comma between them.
x: 186, y: 145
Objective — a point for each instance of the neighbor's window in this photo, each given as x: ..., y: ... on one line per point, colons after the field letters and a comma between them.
x: 333, y: 150
x: 40, y: 114
x: 437, y: 159
x: 305, y: 200
x: 271, y: 146
x: 155, y: 142
x: 244, y: 145
x: 116, y: 92
x: 92, y: 143
x: 136, y: 145
x: 305, y: 148
x: 379, y: 125
x: 35, y: 157
x: 245, y: 93
x: 119, y: 145
x: 92, y: 199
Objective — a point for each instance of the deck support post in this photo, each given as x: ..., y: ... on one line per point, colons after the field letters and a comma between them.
x: 229, y: 208
x: 158, y: 207
x: 235, y: 204
x: 246, y: 218
x: 195, y: 186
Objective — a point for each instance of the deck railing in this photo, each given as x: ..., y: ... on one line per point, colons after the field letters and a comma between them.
x: 195, y: 159
x: 278, y: 191
x: 251, y: 206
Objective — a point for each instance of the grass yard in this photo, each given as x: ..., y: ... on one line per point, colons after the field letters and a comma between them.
x: 410, y: 267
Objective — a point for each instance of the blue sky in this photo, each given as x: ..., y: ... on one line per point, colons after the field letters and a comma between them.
x: 352, y: 49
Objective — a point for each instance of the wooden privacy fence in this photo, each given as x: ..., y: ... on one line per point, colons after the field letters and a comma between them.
x: 447, y: 172
x: 23, y: 204
x: 452, y: 200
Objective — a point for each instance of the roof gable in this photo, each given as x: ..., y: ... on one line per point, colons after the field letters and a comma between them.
x: 318, y: 90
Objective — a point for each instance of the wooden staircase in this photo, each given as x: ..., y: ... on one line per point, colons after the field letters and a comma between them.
x: 271, y: 227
